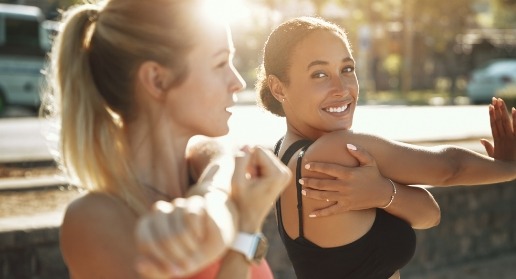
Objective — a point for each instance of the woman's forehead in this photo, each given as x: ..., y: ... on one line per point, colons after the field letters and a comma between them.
x: 321, y: 44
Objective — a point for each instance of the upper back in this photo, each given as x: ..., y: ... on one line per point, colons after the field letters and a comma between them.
x: 330, y: 231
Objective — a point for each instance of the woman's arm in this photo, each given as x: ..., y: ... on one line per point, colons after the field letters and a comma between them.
x: 259, y: 179
x: 361, y: 187
x: 202, y: 233
x: 449, y: 165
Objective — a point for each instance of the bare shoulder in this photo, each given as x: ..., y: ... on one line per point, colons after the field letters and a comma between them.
x: 331, y: 148
x: 97, y: 229
x: 96, y: 207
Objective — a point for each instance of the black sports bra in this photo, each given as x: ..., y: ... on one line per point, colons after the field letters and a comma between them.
x: 385, y: 248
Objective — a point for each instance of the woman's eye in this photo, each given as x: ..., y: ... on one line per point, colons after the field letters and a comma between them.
x: 221, y: 64
x: 318, y: 75
x: 348, y: 69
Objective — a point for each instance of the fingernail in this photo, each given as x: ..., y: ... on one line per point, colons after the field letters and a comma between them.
x: 312, y: 215
x: 301, y: 181
x: 307, y: 166
x: 303, y: 192
x: 351, y: 146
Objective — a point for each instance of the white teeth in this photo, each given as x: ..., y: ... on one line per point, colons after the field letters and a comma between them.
x: 337, y: 109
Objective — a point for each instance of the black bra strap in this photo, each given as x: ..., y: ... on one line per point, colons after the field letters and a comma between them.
x: 298, y: 187
x: 291, y: 150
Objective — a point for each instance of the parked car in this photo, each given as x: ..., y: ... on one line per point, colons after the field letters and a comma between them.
x: 25, y: 39
x: 486, y: 81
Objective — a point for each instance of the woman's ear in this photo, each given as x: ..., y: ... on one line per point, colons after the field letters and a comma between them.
x: 276, y: 87
x: 154, y: 78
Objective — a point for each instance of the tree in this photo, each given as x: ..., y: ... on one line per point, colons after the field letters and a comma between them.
x: 504, y: 13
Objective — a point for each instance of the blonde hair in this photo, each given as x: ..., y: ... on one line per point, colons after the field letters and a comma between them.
x: 90, y: 81
x: 278, y: 50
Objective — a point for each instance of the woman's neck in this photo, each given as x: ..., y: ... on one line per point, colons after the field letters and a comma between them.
x: 159, y: 162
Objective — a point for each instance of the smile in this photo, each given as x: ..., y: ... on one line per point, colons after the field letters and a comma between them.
x: 337, y: 109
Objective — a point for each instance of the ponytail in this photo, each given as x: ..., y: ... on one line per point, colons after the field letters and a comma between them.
x: 93, y: 147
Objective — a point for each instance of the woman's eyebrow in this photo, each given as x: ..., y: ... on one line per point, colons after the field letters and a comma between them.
x: 316, y: 62
x: 322, y: 62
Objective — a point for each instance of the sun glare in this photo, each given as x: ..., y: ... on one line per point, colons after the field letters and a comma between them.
x: 230, y: 11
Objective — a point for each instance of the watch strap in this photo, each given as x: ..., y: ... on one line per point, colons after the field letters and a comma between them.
x: 249, y: 244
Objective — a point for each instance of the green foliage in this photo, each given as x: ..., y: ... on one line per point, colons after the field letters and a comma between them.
x: 392, y: 64
x: 504, y: 13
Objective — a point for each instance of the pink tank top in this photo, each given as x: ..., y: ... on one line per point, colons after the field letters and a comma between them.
x: 260, y: 271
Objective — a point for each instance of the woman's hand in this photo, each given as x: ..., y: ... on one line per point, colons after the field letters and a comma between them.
x: 349, y: 188
x: 258, y: 180
x: 503, y: 129
x: 177, y: 239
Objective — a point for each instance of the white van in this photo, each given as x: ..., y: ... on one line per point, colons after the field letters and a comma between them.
x: 25, y: 39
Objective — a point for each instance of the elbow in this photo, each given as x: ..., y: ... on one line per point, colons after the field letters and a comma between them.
x: 432, y: 219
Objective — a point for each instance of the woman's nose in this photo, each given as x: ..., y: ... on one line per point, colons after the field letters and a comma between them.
x: 238, y: 84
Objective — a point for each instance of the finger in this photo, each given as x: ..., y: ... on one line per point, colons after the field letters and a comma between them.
x: 242, y: 159
x: 488, y: 147
x: 492, y: 122
x: 330, y: 169
x: 208, y: 173
x: 170, y: 229
x: 504, y: 115
x: 333, y: 170
x: 154, y: 260
x: 271, y: 166
x: 180, y: 241
x: 197, y: 221
x: 320, y: 195
x: 322, y: 184
x: 171, y: 232
x: 327, y: 211
x: 514, y: 121
x: 363, y: 157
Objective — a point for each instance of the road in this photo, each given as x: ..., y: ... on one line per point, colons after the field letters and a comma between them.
x: 24, y: 138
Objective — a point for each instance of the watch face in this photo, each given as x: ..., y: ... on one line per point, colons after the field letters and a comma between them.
x: 261, y: 249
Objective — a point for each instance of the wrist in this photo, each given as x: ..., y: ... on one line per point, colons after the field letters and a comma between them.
x: 252, y: 246
x: 392, y: 195
x: 249, y: 224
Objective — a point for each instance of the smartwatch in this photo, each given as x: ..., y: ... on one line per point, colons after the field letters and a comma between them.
x: 252, y: 246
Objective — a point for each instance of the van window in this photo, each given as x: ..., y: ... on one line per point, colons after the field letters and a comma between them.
x: 21, y: 37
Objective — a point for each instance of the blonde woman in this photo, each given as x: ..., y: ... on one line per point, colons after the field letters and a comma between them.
x: 131, y: 83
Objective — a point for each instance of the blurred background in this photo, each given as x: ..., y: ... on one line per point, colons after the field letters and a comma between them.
x: 408, y: 52
x: 426, y: 70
